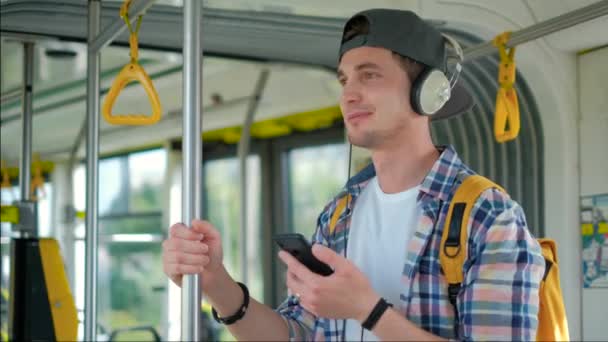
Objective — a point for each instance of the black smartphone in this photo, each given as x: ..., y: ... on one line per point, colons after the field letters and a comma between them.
x: 296, y: 245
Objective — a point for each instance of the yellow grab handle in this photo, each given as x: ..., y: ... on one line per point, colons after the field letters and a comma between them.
x: 6, y: 178
x: 37, y: 187
x: 131, y: 72
x: 124, y: 8
x: 507, y: 111
x: 507, y: 105
x: 37, y: 182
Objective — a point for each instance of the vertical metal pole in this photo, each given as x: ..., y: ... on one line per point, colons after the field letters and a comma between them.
x: 17, y: 313
x: 92, y: 189
x: 25, y: 169
x: 192, y: 155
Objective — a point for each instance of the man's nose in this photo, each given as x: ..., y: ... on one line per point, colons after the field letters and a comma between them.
x: 351, y: 94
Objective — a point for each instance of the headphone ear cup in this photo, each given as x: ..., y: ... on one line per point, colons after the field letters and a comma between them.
x: 430, y: 92
x: 417, y: 89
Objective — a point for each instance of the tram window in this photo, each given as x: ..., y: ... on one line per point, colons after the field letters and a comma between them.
x: 5, y: 247
x: 315, y: 175
x: 146, y: 177
x: 130, y: 205
x: 222, y: 208
x: 45, y: 209
x: 131, y: 284
x: 79, y: 198
x: 113, y: 186
x: 7, y: 196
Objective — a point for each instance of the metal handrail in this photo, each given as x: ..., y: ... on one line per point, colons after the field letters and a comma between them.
x: 543, y: 28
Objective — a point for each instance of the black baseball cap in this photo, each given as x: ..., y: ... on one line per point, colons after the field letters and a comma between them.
x: 406, y: 34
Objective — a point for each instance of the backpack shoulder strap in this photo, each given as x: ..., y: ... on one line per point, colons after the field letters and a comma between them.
x: 552, y: 318
x: 549, y: 249
x: 453, y: 248
x: 340, y: 206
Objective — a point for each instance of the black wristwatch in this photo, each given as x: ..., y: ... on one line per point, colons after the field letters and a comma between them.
x: 376, y: 313
x: 240, y: 312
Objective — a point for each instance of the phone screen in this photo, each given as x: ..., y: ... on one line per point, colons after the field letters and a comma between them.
x: 296, y: 245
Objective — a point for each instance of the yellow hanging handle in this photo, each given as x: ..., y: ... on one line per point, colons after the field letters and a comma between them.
x: 6, y: 178
x: 507, y: 105
x: 129, y: 73
x: 37, y: 183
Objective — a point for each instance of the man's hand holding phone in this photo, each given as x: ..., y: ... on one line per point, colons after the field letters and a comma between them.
x: 299, y: 248
x: 345, y: 294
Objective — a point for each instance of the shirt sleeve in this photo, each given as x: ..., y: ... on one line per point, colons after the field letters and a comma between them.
x: 299, y: 321
x: 500, y: 298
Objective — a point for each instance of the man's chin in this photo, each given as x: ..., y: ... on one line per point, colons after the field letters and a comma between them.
x: 363, y: 142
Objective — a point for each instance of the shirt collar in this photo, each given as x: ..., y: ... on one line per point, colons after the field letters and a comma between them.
x: 437, y: 183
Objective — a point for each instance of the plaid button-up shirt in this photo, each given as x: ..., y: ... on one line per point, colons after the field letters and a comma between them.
x: 498, y: 299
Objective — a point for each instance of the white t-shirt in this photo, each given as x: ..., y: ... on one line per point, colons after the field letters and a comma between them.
x: 382, y: 226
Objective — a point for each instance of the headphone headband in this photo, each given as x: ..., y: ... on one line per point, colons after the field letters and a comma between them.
x: 459, y: 53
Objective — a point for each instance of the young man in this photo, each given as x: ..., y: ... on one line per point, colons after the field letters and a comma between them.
x: 387, y: 282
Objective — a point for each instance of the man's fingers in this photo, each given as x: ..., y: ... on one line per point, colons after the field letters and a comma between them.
x: 203, y: 227
x: 186, y: 246
x: 187, y: 259
x: 178, y: 269
x: 327, y: 256
x: 301, y: 271
x: 294, y: 284
x: 293, y: 279
x: 179, y: 230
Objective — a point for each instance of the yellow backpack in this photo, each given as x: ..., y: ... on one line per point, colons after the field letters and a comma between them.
x: 552, y: 321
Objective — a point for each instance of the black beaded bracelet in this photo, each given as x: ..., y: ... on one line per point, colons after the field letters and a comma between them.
x: 240, y: 312
x: 376, y: 313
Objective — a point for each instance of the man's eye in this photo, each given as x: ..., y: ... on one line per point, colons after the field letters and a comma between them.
x: 370, y: 75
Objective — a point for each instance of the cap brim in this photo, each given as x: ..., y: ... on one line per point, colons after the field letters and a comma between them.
x: 460, y: 102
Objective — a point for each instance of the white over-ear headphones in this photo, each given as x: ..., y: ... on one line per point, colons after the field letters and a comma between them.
x: 433, y: 88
